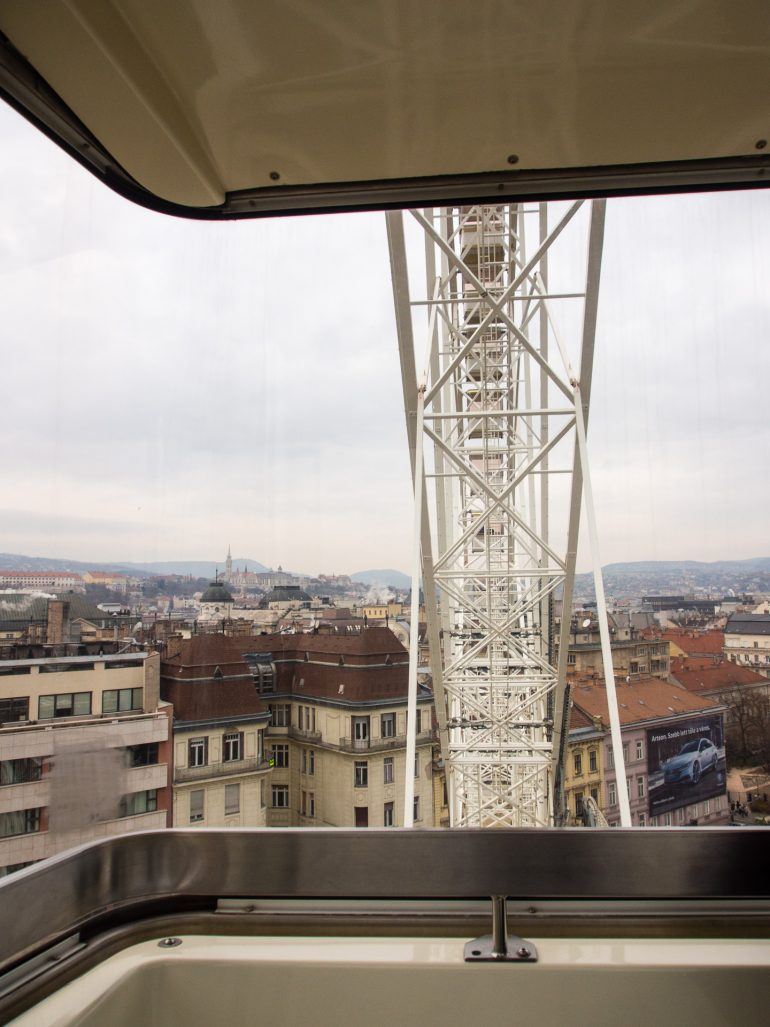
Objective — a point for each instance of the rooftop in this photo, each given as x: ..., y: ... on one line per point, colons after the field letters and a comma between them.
x: 696, y: 643
x: 748, y: 624
x: 709, y: 675
x: 639, y: 701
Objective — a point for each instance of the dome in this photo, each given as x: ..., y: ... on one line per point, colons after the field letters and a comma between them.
x: 216, y: 593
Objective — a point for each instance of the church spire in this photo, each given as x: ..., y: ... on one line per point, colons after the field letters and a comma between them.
x: 229, y: 566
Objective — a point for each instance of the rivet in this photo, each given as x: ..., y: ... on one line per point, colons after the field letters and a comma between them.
x: 513, y: 158
x: 169, y: 943
x: 523, y: 952
x: 274, y: 175
x: 761, y: 144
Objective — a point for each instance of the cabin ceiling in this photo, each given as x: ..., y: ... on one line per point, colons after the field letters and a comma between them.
x: 235, y: 108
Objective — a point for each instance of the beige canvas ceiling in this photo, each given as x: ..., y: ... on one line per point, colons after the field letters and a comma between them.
x: 200, y: 99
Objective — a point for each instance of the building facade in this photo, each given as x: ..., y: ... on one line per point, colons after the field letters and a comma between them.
x: 84, y: 753
x: 336, y: 736
x: 747, y: 640
x: 673, y: 750
x: 220, y: 766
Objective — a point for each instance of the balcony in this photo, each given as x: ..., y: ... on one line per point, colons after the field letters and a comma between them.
x: 301, y: 735
x: 230, y: 768
x: 380, y: 744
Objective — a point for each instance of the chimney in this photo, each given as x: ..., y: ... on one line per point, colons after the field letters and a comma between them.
x: 57, y: 620
x: 173, y: 645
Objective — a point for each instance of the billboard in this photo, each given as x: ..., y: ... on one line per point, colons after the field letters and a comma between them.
x: 686, y: 762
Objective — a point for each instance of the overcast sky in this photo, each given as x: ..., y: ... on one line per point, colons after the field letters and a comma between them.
x: 171, y: 387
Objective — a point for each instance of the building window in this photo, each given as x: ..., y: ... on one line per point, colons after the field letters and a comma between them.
x: 22, y: 771
x: 387, y: 770
x: 311, y: 804
x: 416, y: 807
x: 260, y: 745
x: 595, y: 795
x: 280, y: 715
x: 23, y: 821
x: 418, y: 722
x: 311, y: 761
x: 121, y: 700
x: 642, y: 820
x: 387, y: 814
x: 196, y: 804
x: 610, y: 757
x: 706, y: 807
x: 417, y: 764
x: 232, y: 746
x: 281, y: 755
x: 592, y: 761
x: 578, y: 763
x: 667, y: 820
x: 570, y: 659
x: 388, y: 725
x: 361, y: 774
x: 578, y: 804
x: 304, y: 761
x: 612, y: 794
x: 232, y: 799
x: 680, y: 814
x: 197, y: 752
x: 640, y: 787
x: 70, y: 704
x: 14, y: 709
x: 139, y: 802
x: 625, y: 752
x: 280, y: 796
x: 639, y: 749
x: 145, y: 755
x: 633, y: 667
x: 360, y: 727
x: 303, y: 803
x: 262, y: 800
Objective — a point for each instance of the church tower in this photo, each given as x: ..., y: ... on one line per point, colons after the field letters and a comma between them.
x: 229, y: 566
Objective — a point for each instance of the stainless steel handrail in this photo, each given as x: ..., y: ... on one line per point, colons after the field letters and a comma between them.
x: 170, y: 869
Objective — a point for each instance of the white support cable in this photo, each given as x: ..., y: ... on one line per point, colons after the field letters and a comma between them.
x: 414, y: 623
x: 604, y: 628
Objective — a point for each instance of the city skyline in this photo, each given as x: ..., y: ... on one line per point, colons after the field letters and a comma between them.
x: 181, y: 383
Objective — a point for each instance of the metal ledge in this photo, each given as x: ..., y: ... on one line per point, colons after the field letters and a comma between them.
x: 156, y: 872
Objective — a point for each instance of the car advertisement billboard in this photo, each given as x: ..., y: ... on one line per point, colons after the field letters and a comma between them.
x: 686, y: 763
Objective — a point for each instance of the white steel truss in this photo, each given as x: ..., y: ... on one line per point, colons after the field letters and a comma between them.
x: 497, y: 400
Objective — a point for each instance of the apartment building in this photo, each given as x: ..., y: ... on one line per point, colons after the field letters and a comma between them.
x: 84, y: 753
x: 584, y: 764
x: 673, y: 749
x: 220, y: 766
x: 337, y: 729
x: 635, y: 655
x: 747, y: 640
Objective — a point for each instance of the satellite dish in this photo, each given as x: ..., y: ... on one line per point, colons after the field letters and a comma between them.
x: 587, y: 622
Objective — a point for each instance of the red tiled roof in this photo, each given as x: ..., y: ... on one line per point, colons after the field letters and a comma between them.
x: 701, y: 674
x: 697, y: 643
x: 645, y: 699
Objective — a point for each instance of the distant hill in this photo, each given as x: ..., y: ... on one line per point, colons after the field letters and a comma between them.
x: 679, y: 576
x: 197, y: 568
x: 389, y: 577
